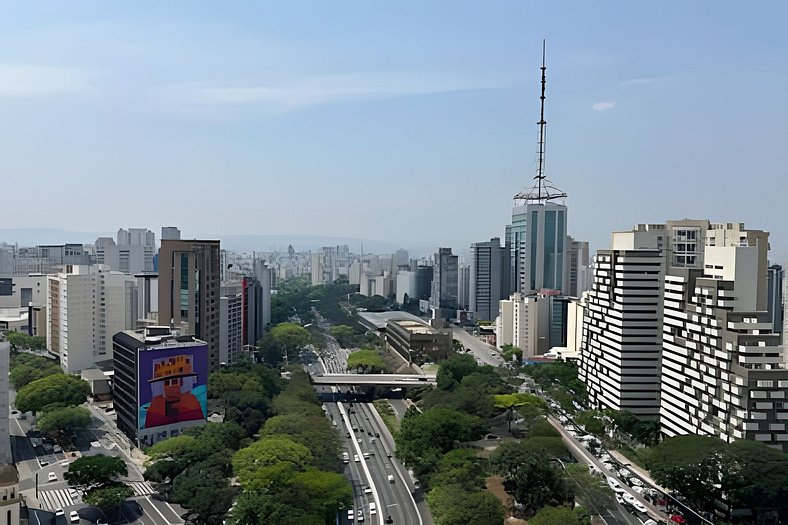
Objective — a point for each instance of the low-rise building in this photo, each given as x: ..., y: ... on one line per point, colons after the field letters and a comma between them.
x: 418, y: 342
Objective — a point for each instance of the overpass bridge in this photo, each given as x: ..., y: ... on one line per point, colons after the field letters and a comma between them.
x: 389, y: 380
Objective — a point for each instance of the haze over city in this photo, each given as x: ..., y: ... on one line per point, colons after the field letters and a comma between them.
x: 409, y: 123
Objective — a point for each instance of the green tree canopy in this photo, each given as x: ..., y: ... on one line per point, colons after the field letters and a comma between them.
x: 366, y: 361
x: 344, y: 334
x: 20, y: 340
x: 512, y: 353
x: 95, y: 471
x: 109, y: 498
x: 267, y: 452
x: 529, y: 476
x: 555, y: 516
x: 518, y: 399
x: 761, y: 478
x: 453, y: 505
x: 26, y: 368
x: 697, y: 467
x: 313, y: 431
x: 58, y: 388
x: 64, y: 423
x: 452, y: 370
x: 285, y: 339
x: 460, y: 467
x: 592, y: 491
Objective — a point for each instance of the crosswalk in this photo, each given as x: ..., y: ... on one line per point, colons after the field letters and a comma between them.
x: 55, y: 499
x: 58, y: 498
x: 141, y: 488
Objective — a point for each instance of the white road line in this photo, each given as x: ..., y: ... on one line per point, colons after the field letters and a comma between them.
x: 157, y: 510
x: 371, y: 481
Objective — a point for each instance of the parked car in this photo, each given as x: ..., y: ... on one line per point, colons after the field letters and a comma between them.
x: 52, y: 476
x: 73, y: 517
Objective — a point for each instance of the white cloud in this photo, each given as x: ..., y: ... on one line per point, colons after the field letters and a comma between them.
x: 332, y: 89
x: 639, y: 81
x: 31, y: 81
x: 603, y: 106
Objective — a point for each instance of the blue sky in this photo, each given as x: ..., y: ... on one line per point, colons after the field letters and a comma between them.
x: 409, y: 122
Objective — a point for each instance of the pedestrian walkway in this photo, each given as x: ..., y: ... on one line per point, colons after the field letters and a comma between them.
x: 57, y: 498
x: 141, y: 488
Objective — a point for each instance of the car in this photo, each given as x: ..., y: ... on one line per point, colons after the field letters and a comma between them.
x: 367, y: 490
x: 101, y: 522
x: 355, y: 458
x: 359, y: 440
x: 366, y: 455
x: 59, y: 512
x: 360, y: 516
x: 389, y: 519
x: 639, y: 506
x: 58, y: 449
x: 73, y: 517
x: 52, y: 476
x: 377, y: 434
x: 347, y: 434
x: 351, y: 515
x: 614, y: 484
x: 14, y: 412
x: 43, y: 462
x: 391, y: 478
x: 373, y: 508
x: 492, y: 436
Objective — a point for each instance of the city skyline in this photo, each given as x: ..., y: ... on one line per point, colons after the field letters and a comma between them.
x: 313, y: 109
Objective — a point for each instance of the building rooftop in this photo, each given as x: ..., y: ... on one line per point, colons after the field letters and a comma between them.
x: 417, y: 327
x: 378, y: 320
x: 8, y: 475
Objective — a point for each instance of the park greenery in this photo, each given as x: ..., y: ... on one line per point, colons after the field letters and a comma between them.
x: 91, y: 472
x: 559, y: 380
x: 366, y: 361
x: 700, y: 470
x: 22, y: 341
x: 57, y: 390
x: 284, y: 342
x: 512, y: 354
x: 619, y: 427
x: 109, y: 498
x: 345, y: 335
x: 26, y: 368
x: 63, y: 424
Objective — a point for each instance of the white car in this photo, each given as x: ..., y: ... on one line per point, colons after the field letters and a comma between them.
x: 639, y: 506
x: 367, y: 490
x: 52, y: 476
x: 351, y: 515
x: 366, y: 455
x: 629, y: 498
x: 73, y: 517
x: 615, y: 485
x: 355, y: 458
x: 360, y: 516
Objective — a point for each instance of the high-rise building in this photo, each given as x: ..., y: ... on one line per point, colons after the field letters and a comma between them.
x: 423, y: 282
x: 723, y: 370
x: 231, y: 322
x: 578, y: 278
x: 86, y: 305
x: 132, y: 254
x: 189, y: 290
x: 464, y: 287
x: 524, y: 322
x: 256, y: 309
x: 406, y: 286
x: 774, y: 301
x: 489, y: 278
x: 170, y: 233
x: 445, y: 280
x: 621, y: 342
x: 401, y: 258
x: 160, y: 384
x: 5, y: 435
x: 50, y: 258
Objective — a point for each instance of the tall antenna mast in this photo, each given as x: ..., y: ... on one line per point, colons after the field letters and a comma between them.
x: 543, y: 190
x: 540, y: 168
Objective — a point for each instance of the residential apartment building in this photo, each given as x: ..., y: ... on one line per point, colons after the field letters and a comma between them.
x: 189, y: 290
x: 445, y: 281
x: 464, y: 287
x: 132, y: 254
x: 621, y: 341
x: 231, y: 322
x: 524, y: 322
x: 86, y: 305
x: 5, y: 436
x: 489, y: 278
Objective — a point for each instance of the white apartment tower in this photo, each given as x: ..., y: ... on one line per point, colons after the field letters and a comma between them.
x: 86, y: 306
x: 524, y: 322
x: 620, y: 350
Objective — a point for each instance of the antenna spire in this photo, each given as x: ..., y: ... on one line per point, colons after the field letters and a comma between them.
x: 543, y: 190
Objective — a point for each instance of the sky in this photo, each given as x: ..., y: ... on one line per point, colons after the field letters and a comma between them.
x: 409, y: 122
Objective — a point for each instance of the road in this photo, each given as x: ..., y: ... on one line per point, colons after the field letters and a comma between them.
x: 483, y: 352
x: 401, y: 380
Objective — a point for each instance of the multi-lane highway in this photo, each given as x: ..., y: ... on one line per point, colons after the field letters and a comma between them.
x: 395, y: 380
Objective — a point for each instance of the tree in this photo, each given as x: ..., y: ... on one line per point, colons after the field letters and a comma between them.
x: 284, y: 340
x: 95, y: 471
x: 509, y: 402
x: 593, y: 422
x: 460, y: 467
x: 512, y: 353
x: 57, y: 388
x: 697, y: 467
x: 313, y: 431
x: 268, y: 452
x: 109, y: 498
x: 452, y: 370
x: 761, y: 480
x: 555, y: 516
x: 26, y: 368
x: 63, y: 424
x: 203, y: 488
x: 366, y: 361
x: 344, y: 334
x: 452, y: 505
x: 590, y: 490
x: 529, y: 476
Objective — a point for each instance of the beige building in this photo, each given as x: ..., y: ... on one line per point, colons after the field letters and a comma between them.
x: 418, y: 342
x: 86, y: 306
x: 524, y: 322
x: 189, y: 290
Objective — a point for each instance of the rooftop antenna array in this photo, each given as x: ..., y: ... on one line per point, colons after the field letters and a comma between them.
x: 543, y: 190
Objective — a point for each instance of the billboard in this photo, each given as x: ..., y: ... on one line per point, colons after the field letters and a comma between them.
x: 172, y: 385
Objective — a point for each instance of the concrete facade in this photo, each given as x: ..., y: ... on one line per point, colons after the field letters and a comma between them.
x: 189, y: 290
x: 86, y: 305
x: 231, y: 322
x: 489, y: 278
x: 445, y: 280
x: 417, y: 342
x: 524, y: 322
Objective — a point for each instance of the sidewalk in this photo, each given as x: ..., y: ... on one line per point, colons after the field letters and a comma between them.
x: 642, y: 473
